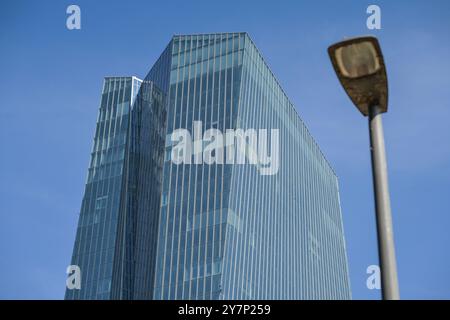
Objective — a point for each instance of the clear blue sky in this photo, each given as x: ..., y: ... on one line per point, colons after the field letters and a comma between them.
x: 50, y: 83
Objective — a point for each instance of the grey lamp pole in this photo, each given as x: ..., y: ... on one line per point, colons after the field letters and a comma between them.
x: 386, y: 247
x: 360, y: 68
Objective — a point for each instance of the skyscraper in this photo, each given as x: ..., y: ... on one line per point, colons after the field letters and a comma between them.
x: 201, y: 230
x: 116, y: 236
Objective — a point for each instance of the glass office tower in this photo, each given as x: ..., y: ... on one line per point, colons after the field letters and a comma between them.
x: 226, y: 231
x: 116, y: 236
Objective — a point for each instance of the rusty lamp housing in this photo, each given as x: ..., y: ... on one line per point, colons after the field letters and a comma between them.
x: 360, y: 67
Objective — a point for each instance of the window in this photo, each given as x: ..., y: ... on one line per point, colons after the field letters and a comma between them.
x: 101, y: 202
x: 164, y: 199
x: 167, y: 155
x: 104, y: 286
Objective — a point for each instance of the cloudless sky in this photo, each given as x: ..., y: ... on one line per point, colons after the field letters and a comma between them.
x: 50, y: 85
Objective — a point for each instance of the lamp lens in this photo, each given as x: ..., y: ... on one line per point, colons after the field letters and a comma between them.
x: 357, y: 60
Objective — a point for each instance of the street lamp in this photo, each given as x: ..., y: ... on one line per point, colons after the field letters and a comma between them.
x: 359, y: 65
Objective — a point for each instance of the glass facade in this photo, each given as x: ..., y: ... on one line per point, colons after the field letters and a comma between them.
x: 287, y: 239
x: 204, y: 84
x: 123, y: 185
x: 226, y: 231
x: 218, y: 231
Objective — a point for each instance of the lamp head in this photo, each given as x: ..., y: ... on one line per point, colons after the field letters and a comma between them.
x: 360, y: 67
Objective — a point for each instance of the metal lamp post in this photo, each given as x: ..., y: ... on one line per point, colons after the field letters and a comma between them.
x: 360, y: 67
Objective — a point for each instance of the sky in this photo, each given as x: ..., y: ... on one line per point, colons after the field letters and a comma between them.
x: 50, y: 85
